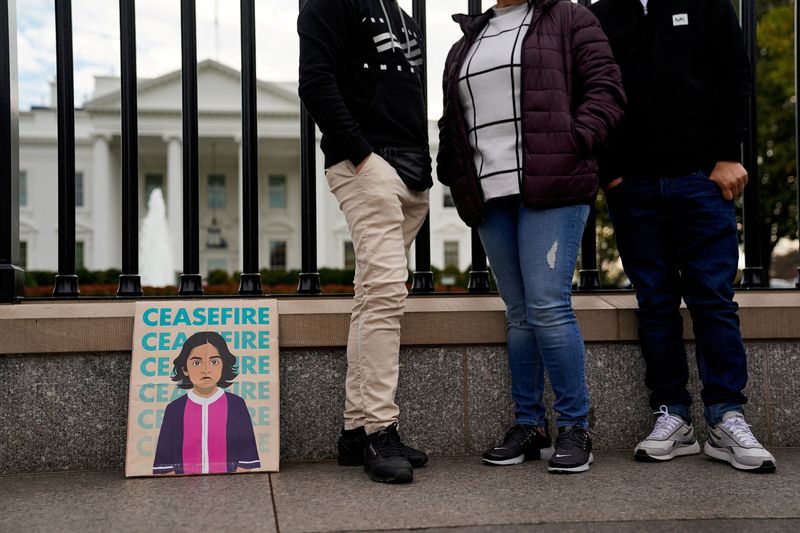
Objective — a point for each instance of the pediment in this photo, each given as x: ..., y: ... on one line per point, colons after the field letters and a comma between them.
x: 219, y: 91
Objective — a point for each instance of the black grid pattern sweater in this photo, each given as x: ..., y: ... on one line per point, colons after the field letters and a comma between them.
x: 489, y: 90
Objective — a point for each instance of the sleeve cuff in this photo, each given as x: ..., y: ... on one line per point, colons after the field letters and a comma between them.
x: 730, y: 151
x: 357, y: 150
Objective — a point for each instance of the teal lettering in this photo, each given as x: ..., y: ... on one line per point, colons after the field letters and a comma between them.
x: 263, y: 416
x: 199, y: 316
x: 147, y: 361
x: 248, y: 315
x: 225, y: 314
x: 248, y: 340
x: 145, y: 341
x: 144, y: 424
x: 146, y: 316
x: 263, y: 339
x: 143, y: 390
x: 144, y: 446
x: 248, y: 390
x: 182, y: 317
x: 163, y: 366
x: 263, y: 390
x: 165, y: 316
x: 248, y: 364
x: 263, y: 364
x: 180, y: 338
x: 213, y: 316
x: 263, y: 315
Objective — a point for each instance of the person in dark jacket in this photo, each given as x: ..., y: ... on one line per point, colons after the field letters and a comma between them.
x: 530, y: 91
x: 360, y: 66
x: 672, y: 173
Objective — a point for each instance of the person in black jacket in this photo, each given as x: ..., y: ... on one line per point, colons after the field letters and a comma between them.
x: 671, y: 175
x: 360, y: 78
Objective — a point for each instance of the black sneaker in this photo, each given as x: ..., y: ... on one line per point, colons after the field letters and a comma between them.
x: 352, y: 443
x: 385, y: 459
x: 522, y: 442
x: 573, y: 451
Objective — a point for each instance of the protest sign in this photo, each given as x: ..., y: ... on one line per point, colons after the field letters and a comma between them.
x: 204, y: 388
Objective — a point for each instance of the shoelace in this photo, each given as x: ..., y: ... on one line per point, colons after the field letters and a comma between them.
x: 665, y: 424
x: 389, y: 444
x: 576, y: 436
x: 520, y: 434
x: 741, y: 431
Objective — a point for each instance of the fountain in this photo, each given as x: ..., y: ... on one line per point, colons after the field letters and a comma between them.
x: 155, y: 253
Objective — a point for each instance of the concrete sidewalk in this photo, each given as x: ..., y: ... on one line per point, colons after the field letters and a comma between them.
x: 453, y: 493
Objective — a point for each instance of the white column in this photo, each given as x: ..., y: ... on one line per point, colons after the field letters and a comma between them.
x: 104, y: 206
x: 175, y: 198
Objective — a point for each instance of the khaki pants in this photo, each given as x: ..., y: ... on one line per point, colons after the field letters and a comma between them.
x: 383, y: 216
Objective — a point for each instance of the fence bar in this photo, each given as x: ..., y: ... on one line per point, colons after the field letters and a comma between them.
x: 478, y: 274
x: 130, y: 283
x: 753, y: 275
x: 797, y: 117
x: 423, y: 276
x: 191, y: 282
x: 308, y: 282
x: 11, y: 275
x: 66, y: 283
x: 250, y: 280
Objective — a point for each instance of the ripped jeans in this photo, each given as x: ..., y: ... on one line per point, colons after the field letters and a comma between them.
x: 533, y: 253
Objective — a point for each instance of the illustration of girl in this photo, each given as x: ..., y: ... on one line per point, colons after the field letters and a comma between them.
x: 208, y: 430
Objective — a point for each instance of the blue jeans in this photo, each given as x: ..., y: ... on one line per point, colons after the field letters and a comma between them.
x: 533, y: 254
x: 678, y: 238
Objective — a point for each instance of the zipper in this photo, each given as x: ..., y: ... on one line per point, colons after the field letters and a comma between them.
x: 537, y: 15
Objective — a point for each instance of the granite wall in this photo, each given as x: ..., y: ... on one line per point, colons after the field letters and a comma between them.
x: 69, y: 412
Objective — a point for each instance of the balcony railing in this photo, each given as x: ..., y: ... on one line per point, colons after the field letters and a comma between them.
x: 66, y: 283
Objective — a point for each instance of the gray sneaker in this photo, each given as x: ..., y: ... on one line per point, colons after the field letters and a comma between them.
x: 670, y: 438
x: 732, y: 441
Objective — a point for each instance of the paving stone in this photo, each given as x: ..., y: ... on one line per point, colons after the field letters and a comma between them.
x: 783, y: 360
x: 460, y: 492
x: 88, y: 502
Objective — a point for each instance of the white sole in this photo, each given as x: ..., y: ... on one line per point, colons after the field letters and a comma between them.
x: 544, y: 454
x: 722, y: 454
x: 582, y: 468
x: 507, y: 462
x: 677, y: 451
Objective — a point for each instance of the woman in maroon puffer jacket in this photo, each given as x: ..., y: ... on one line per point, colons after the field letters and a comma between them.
x: 529, y: 92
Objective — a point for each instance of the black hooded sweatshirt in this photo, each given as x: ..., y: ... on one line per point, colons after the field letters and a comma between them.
x: 688, y: 80
x: 360, y: 80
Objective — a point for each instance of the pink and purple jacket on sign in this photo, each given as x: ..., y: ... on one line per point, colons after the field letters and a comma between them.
x: 211, y: 435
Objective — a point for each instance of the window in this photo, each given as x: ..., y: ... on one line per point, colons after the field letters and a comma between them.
x: 277, y: 192
x: 349, y: 255
x: 447, y: 198
x: 216, y: 191
x: 277, y: 255
x: 451, y: 254
x: 79, y: 261
x: 23, y: 188
x: 152, y: 182
x: 217, y: 264
x: 79, y: 189
x: 23, y: 255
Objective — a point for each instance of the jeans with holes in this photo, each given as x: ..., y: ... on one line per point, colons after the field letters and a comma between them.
x: 533, y: 253
x: 678, y: 239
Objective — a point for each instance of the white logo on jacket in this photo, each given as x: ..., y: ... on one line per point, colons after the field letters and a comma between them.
x: 680, y: 20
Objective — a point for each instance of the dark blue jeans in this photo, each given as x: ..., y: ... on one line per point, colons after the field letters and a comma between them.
x: 678, y: 239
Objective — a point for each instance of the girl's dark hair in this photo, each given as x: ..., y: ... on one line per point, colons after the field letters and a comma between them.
x: 229, y: 370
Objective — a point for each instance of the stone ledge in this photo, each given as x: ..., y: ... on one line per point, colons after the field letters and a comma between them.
x: 50, y: 327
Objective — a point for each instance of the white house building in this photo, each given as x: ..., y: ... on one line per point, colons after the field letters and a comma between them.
x: 98, y: 156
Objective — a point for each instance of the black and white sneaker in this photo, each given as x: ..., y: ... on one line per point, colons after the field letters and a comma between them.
x: 351, y: 445
x: 671, y: 437
x: 385, y: 459
x: 732, y: 441
x: 573, y: 452
x: 522, y: 442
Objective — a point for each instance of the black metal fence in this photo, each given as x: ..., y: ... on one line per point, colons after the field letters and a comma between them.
x: 66, y: 281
